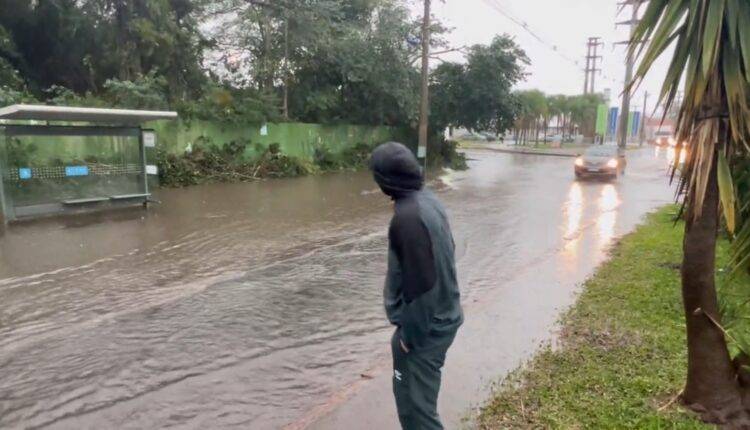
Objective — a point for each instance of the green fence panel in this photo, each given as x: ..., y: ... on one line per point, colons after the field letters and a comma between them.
x: 296, y: 139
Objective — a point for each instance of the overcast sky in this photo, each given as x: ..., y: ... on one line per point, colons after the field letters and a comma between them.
x: 566, y: 24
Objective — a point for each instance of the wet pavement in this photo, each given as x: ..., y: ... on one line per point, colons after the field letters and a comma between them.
x: 259, y: 305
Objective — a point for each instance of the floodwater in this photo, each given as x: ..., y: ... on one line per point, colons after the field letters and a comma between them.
x: 251, y: 305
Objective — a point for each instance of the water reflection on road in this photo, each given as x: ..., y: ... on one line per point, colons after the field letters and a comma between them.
x: 247, y: 305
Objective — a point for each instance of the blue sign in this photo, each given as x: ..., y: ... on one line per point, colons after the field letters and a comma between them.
x: 24, y: 173
x: 636, y: 123
x: 76, y: 170
x: 612, y: 125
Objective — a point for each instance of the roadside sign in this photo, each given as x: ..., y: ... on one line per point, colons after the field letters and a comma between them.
x: 24, y: 173
x: 76, y: 170
x: 149, y: 139
x: 601, y: 119
x: 613, y: 115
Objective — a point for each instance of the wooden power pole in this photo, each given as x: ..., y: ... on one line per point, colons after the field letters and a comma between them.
x: 424, y: 105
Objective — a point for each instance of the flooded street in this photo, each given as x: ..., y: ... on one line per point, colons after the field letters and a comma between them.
x: 251, y: 305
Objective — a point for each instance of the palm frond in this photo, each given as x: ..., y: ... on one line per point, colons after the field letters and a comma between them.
x: 711, y: 40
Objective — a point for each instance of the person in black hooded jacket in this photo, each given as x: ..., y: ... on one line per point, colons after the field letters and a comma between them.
x: 421, y: 294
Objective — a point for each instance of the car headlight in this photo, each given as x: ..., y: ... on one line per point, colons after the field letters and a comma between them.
x: 612, y: 163
x: 579, y: 162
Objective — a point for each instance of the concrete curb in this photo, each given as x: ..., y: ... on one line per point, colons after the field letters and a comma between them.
x: 524, y: 152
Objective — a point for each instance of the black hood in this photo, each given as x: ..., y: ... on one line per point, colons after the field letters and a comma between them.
x: 396, y: 169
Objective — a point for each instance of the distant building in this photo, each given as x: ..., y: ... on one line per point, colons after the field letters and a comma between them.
x: 656, y: 125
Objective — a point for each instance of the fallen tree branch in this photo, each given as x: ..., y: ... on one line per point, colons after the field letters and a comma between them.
x: 671, y: 401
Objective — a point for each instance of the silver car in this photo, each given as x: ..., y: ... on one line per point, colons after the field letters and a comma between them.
x: 601, y: 161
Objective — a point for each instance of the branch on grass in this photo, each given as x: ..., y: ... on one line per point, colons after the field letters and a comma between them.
x: 671, y: 401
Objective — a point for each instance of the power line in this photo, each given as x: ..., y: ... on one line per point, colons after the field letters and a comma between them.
x: 494, y: 4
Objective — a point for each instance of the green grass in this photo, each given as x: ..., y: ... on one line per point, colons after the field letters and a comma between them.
x: 621, y: 360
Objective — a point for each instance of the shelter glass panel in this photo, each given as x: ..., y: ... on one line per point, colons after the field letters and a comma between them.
x: 67, y: 166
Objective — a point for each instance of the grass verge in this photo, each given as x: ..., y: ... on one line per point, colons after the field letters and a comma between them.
x: 620, y: 361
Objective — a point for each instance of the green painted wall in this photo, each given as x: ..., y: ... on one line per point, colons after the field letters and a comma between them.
x: 296, y: 139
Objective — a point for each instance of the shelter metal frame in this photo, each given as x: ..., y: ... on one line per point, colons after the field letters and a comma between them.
x: 118, y: 123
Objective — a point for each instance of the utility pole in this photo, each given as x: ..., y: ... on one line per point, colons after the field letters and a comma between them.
x: 285, y: 107
x: 644, y: 119
x: 622, y: 132
x: 588, y: 68
x: 424, y: 105
x: 592, y: 48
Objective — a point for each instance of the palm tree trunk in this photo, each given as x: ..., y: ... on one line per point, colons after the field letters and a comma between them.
x: 711, y: 379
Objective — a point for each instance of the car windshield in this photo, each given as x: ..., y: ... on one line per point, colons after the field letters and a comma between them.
x: 601, y: 151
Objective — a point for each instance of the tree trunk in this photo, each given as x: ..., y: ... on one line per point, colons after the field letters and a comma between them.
x: 711, y: 380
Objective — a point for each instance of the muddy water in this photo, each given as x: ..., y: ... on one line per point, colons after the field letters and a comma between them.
x: 248, y: 305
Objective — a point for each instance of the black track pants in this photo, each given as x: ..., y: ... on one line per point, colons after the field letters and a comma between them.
x: 416, y: 383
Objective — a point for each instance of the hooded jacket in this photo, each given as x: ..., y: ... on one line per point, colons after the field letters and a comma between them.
x: 421, y: 290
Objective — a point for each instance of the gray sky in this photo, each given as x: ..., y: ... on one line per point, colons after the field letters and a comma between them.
x: 566, y: 24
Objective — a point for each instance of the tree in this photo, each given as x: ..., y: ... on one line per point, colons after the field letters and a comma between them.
x: 477, y: 95
x: 81, y: 44
x: 583, y: 112
x: 532, y: 108
x: 712, y: 53
x: 333, y: 60
x: 9, y: 76
x: 558, y: 109
x: 448, y: 87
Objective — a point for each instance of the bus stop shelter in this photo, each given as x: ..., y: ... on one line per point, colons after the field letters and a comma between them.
x: 56, y: 160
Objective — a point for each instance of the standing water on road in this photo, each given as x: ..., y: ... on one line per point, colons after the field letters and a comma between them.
x: 247, y: 305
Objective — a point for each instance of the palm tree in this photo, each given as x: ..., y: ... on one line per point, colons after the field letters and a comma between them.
x: 711, y: 41
x: 536, y: 103
x: 532, y: 107
x: 556, y: 106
